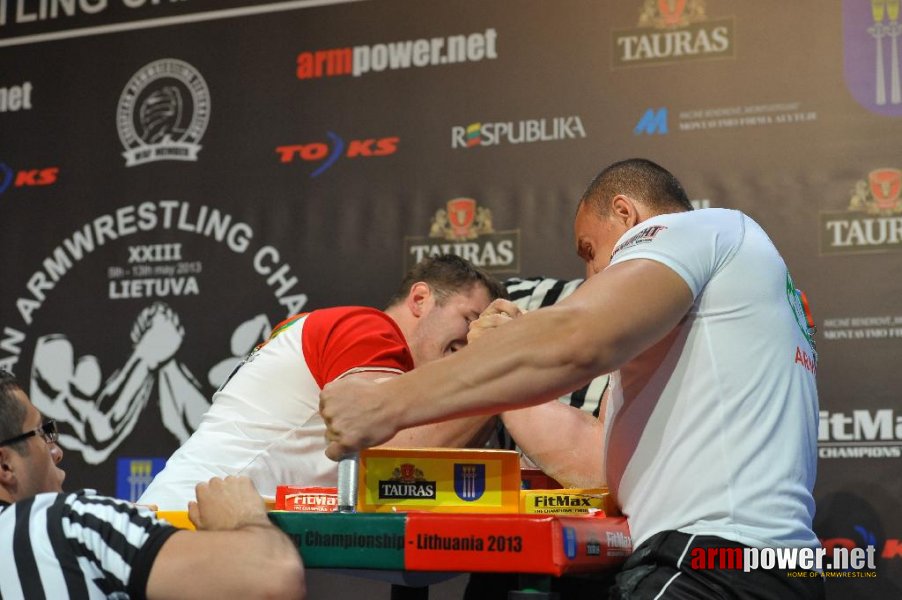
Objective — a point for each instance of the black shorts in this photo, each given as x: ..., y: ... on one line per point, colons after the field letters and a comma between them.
x: 660, y: 568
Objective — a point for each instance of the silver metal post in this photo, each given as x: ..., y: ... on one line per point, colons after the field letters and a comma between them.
x: 348, y: 470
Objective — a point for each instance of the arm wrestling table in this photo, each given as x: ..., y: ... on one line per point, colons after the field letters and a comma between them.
x: 416, y: 549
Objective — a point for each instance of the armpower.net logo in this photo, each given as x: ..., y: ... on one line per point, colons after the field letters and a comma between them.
x: 392, y: 56
x: 842, y: 562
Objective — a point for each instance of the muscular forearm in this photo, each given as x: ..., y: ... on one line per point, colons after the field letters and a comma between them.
x: 565, y: 442
x: 467, y: 432
x: 250, y: 562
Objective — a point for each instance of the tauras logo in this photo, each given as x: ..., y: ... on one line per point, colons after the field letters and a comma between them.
x: 873, y: 220
x: 464, y: 228
x: 397, y: 490
x: 406, y: 482
x: 672, y: 30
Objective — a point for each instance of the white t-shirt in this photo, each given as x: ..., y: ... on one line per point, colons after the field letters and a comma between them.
x: 713, y: 431
x: 264, y: 422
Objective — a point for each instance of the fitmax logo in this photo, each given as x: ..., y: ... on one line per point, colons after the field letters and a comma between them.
x: 652, y: 122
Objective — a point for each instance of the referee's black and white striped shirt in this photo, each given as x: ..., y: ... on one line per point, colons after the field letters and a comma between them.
x: 537, y: 292
x: 77, y: 545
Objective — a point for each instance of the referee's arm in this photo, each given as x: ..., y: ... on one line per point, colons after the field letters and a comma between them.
x: 236, y: 552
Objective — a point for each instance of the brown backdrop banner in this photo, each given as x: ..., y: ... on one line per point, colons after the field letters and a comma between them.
x: 176, y: 177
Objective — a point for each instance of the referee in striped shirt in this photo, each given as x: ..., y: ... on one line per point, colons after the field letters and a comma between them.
x: 80, y: 545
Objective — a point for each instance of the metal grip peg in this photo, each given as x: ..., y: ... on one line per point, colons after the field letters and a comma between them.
x: 348, y: 469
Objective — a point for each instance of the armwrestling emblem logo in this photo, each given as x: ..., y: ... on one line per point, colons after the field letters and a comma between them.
x: 163, y: 113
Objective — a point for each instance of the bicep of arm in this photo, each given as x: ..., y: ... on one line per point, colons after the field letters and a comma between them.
x: 626, y: 309
x: 250, y: 562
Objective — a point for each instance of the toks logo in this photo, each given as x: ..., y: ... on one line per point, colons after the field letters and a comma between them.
x: 9, y: 177
x: 670, y: 31
x: 887, y: 549
x: 873, y: 220
x: 465, y: 229
x: 321, y: 151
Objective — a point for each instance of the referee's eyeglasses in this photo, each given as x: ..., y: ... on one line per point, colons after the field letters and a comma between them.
x: 47, y: 430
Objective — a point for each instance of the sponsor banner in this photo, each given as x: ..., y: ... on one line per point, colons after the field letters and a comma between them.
x: 12, y: 178
x: 323, y: 154
x: 860, y: 433
x: 669, y: 32
x: 872, y: 222
x: 376, y: 58
x: 868, y: 328
x: 657, y: 121
x: 800, y: 562
x: 466, y: 229
x: 528, y: 131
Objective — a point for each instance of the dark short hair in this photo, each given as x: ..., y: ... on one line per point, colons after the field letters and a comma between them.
x: 12, y: 413
x: 640, y: 179
x: 445, y: 275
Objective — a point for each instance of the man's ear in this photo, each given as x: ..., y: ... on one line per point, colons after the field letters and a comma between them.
x: 624, y: 210
x: 417, y: 297
x: 7, y: 471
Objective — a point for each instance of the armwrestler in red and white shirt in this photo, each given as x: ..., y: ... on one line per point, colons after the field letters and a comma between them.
x: 264, y: 422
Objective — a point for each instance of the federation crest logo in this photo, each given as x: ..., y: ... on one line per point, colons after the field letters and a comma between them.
x: 871, y: 33
x: 133, y: 475
x: 670, y: 14
x: 461, y: 219
x: 879, y: 194
x: 163, y: 113
x: 469, y: 481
